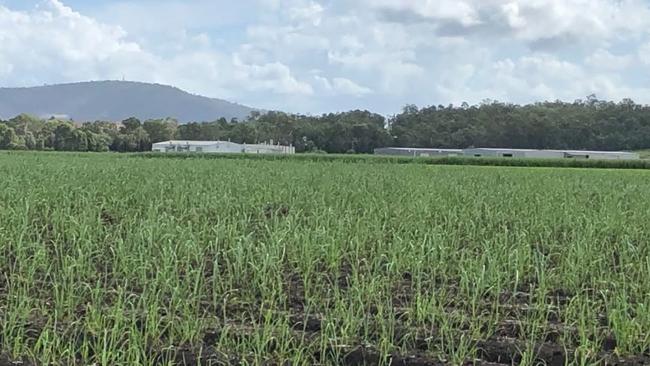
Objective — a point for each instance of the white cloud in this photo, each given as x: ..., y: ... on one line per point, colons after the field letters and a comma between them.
x: 349, y: 87
x: 438, y: 10
x: 311, y: 12
x: 644, y: 53
x: 271, y: 77
x: 342, y: 86
x: 323, y: 55
x: 544, y: 21
x: 604, y: 60
x: 540, y: 77
x: 53, y: 43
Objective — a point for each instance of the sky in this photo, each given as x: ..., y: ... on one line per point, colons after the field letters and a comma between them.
x: 318, y: 56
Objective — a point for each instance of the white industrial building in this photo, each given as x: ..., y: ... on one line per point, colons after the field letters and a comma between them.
x: 550, y: 154
x: 225, y: 147
x: 415, y: 152
x: 509, y: 153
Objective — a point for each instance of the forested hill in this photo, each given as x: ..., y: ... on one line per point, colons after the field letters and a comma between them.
x: 115, y: 101
x: 588, y: 124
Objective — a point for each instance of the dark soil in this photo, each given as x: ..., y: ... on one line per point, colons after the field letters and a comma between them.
x: 6, y: 361
x: 108, y: 219
x: 276, y: 210
x: 504, y: 347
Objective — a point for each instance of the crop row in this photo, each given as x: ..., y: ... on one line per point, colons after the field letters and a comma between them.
x: 109, y: 260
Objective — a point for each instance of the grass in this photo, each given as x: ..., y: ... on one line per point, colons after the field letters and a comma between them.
x: 106, y: 259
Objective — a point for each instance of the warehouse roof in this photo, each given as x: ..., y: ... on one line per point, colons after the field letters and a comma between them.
x: 195, y: 143
x: 565, y: 151
x: 421, y: 149
x: 594, y: 152
x: 500, y: 149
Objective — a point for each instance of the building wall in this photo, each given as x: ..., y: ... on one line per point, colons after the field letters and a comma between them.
x: 222, y: 147
x: 231, y: 147
x: 544, y: 154
x: 417, y: 152
x: 228, y: 147
x: 494, y: 153
x: 604, y: 156
x: 394, y: 152
x: 551, y: 154
x: 269, y: 149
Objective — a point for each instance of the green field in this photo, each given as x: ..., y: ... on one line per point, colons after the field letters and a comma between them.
x: 116, y: 260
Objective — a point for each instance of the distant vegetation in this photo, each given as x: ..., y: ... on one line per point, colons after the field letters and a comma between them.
x: 336, y: 133
x: 584, y: 124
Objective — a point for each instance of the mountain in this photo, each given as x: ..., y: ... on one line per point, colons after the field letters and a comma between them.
x: 115, y: 101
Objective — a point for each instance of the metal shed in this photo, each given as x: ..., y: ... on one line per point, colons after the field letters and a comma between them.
x: 512, y: 153
x: 220, y: 147
x: 550, y: 154
x: 412, y: 151
x: 269, y: 149
x: 601, y: 155
x: 197, y: 146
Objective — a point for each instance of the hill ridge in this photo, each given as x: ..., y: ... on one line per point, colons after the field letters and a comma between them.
x: 115, y: 100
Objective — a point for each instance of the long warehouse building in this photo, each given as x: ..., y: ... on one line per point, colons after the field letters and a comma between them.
x: 510, y: 153
x: 413, y: 151
x: 551, y: 154
x: 220, y: 147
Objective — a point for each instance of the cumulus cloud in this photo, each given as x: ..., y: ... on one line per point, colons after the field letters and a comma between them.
x: 53, y: 43
x: 318, y: 56
x: 539, y: 22
x: 541, y: 77
x: 347, y: 86
x: 56, y: 41
x: 463, y: 13
x: 311, y: 12
x: 274, y: 77
x: 342, y: 86
x: 605, y: 60
x: 644, y: 53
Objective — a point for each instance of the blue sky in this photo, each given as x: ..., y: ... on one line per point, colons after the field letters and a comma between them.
x: 315, y: 56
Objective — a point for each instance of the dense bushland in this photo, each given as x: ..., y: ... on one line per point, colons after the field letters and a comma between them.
x: 589, y: 124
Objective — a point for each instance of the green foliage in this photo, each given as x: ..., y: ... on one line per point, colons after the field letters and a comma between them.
x: 112, y: 260
x: 161, y: 129
x: 355, y: 131
x: 590, y: 124
x: 26, y: 132
x: 8, y: 137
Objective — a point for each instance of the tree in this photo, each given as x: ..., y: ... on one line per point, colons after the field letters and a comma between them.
x: 130, y: 124
x: 8, y: 137
x: 276, y: 127
x: 65, y: 138
x: 133, y: 137
x: 191, y: 131
x: 161, y: 129
x: 583, y: 124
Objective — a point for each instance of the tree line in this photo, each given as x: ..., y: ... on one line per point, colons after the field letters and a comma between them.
x: 583, y: 124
